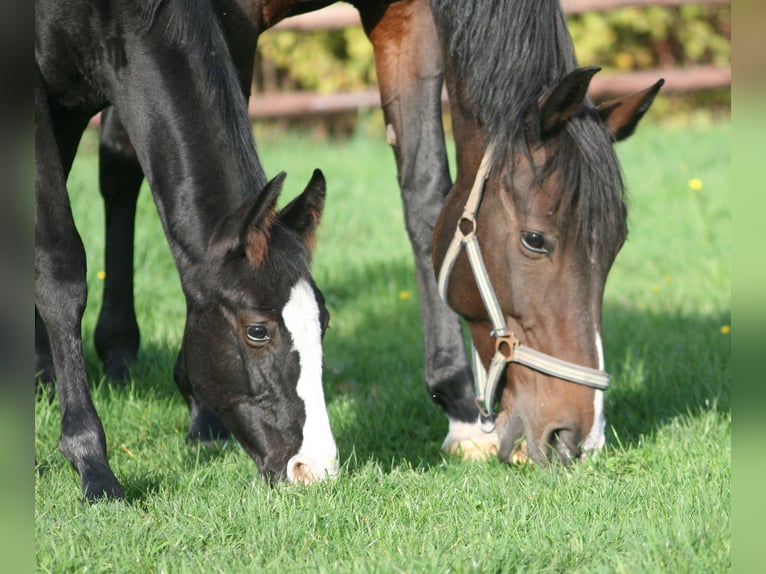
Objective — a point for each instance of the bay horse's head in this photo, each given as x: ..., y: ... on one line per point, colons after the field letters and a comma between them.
x: 252, y: 348
x: 550, y: 219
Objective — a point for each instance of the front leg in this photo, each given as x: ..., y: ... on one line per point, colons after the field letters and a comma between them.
x: 410, y: 75
x: 44, y: 373
x: 60, y: 294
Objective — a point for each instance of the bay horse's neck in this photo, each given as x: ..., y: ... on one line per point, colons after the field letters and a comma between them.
x: 187, y: 118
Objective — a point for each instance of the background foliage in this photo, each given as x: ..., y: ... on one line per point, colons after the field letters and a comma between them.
x: 653, y: 36
x: 326, y: 61
x: 621, y: 39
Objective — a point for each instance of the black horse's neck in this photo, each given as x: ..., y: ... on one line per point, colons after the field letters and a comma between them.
x: 187, y: 118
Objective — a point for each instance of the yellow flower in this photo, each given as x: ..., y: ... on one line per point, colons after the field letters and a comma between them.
x: 655, y: 288
x: 667, y: 278
x: 695, y: 184
x: 101, y: 275
x: 725, y: 329
x: 404, y: 295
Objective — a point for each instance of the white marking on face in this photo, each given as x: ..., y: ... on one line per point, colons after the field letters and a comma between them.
x: 318, y: 455
x: 595, y: 438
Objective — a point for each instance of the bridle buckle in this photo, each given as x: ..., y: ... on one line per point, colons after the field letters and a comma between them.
x: 506, y: 345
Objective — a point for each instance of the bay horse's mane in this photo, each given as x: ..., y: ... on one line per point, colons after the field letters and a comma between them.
x: 507, y: 54
x: 191, y: 25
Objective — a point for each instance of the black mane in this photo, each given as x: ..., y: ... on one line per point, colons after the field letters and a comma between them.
x: 507, y: 54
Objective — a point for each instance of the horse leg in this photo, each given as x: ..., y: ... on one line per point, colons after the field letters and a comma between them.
x: 117, y: 336
x: 44, y: 372
x: 410, y: 76
x: 60, y: 294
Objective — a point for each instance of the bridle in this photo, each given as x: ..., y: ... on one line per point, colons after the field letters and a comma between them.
x: 508, y: 349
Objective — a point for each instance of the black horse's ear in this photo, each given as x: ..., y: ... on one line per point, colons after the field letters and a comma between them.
x: 622, y: 115
x: 255, y: 229
x: 248, y: 229
x: 304, y: 213
x: 259, y: 215
x: 564, y: 100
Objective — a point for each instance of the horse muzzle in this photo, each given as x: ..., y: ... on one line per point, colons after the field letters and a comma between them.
x: 306, y: 469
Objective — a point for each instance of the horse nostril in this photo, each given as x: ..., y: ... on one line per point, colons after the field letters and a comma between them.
x: 306, y: 471
x: 564, y: 442
x: 299, y: 471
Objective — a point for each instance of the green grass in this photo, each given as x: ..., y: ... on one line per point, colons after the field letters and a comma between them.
x: 657, y: 499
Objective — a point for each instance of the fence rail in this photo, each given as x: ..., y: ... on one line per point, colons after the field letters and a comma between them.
x: 306, y: 104
x: 337, y: 16
x: 281, y: 104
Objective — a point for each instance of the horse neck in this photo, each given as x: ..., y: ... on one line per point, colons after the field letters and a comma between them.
x: 187, y: 118
x: 499, y: 58
x: 471, y: 138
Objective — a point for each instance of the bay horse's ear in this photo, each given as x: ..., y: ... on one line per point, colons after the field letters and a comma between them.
x: 564, y: 100
x: 622, y: 115
x: 303, y: 213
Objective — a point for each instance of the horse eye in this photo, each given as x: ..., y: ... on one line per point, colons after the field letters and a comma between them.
x: 533, y: 241
x: 257, y: 333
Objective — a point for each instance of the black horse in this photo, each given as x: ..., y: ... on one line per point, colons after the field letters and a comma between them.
x: 552, y: 220
x: 251, y: 354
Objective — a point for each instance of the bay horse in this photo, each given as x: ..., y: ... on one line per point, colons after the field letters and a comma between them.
x: 551, y: 213
x: 251, y: 356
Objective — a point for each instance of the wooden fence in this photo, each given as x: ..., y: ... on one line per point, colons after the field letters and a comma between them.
x: 337, y: 16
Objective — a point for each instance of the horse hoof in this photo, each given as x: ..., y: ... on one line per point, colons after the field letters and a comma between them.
x: 117, y: 369
x: 469, y: 442
x: 101, y: 487
x: 520, y: 455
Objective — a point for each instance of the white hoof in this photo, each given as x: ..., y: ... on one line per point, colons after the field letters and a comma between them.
x: 469, y: 442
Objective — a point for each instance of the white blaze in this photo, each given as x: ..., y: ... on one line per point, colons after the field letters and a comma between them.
x: 595, y: 438
x: 318, y: 455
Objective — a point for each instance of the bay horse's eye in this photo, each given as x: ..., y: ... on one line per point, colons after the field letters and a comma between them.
x: 533, y: 241
x: 257, y: 333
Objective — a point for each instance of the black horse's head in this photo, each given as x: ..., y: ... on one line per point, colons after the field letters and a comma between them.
x: 252, y: 348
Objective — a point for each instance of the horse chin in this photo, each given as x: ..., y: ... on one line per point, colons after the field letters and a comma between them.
x: 513, y: 446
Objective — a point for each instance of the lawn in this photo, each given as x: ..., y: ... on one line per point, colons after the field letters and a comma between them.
x: 657, y: 499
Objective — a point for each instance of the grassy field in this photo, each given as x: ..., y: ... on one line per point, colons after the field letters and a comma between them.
x: 657, y: 499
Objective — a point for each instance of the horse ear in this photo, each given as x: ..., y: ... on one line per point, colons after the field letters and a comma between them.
x: 247, y: 230
x: 259, y: 214
x: 565, y: 99
x: 622, y: 115
x: 303, y: 213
